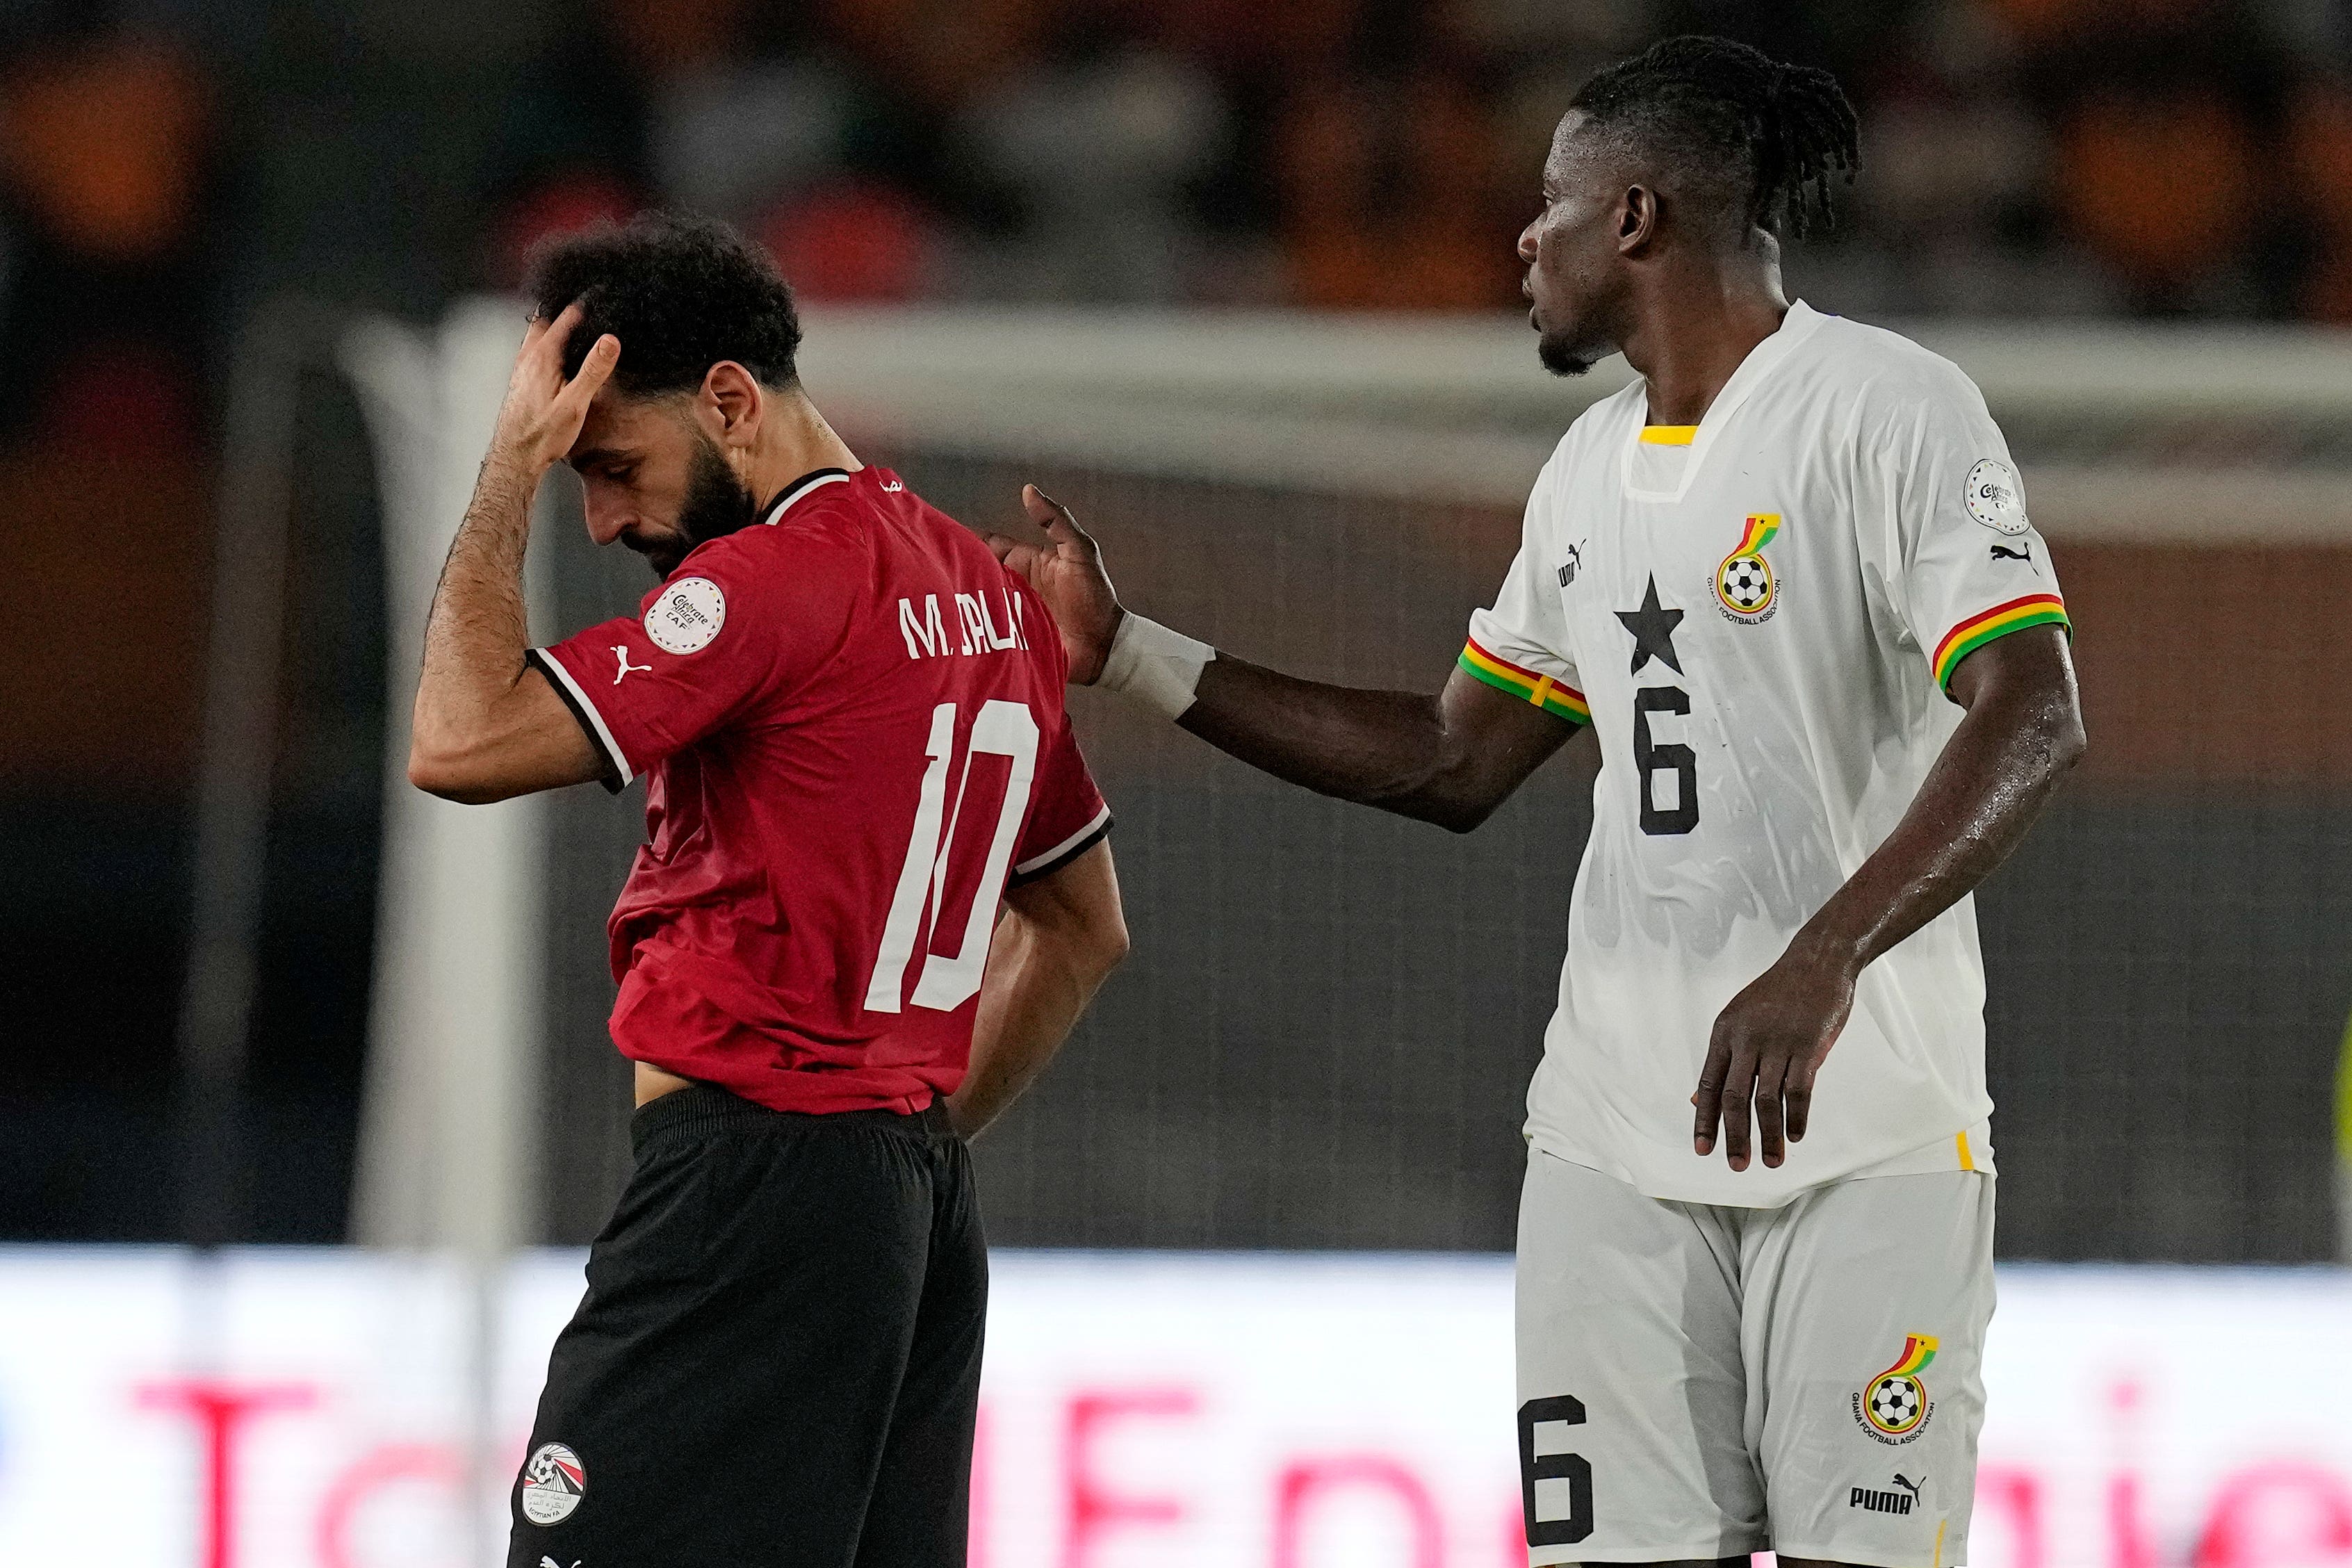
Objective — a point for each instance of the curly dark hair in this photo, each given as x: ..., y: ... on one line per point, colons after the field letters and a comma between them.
x: 681, y: 294
x: 1756, y: 139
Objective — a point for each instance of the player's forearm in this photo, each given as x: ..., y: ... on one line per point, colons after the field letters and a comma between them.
x: 1985, y: 792
x: 479, y: 630
x: 1040, y: 979
x: 1449, y: 759
x: 1384, y: 749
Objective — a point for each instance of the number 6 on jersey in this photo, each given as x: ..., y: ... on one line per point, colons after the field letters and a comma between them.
x: 1007, y: 730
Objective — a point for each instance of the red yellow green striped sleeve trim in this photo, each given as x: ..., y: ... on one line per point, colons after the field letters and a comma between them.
x: 2033, y: 610
x: 1998, y: 621
x: 1554, y: 697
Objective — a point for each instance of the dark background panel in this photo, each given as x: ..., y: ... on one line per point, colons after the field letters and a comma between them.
x: 94, y: 841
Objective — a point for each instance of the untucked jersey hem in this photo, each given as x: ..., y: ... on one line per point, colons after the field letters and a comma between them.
x: 800, y: 1093
x: 1970, y: 1150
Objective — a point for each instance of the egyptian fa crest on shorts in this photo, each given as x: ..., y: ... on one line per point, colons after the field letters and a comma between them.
x: 553, y: 1483
x: 1744, y: 585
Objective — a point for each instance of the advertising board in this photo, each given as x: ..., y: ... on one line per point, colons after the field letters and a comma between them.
x: 314, y: 1408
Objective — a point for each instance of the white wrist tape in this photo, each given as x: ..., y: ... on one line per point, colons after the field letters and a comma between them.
x: 1158, y: 668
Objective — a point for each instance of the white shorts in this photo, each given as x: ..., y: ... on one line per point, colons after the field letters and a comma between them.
x: 1698, y: 1381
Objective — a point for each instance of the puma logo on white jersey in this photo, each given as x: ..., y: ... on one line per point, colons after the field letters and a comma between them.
x: 622, y: 650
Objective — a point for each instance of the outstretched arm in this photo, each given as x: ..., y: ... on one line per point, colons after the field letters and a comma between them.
x: 2023, y: 731
x: 1450, y: 759
x: 486, y: 726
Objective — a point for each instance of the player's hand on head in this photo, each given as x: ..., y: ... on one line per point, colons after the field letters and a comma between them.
x: 1066, y: 570
x: 1767, y: 1046
x: 543, y: 411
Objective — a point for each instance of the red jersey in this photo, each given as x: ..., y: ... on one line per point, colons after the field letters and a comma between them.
x: 850, y: 719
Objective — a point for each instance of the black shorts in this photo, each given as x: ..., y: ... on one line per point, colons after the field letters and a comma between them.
x: 777, y: 1358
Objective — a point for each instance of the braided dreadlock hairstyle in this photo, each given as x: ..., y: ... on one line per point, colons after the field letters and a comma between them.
x: 1735, y: 126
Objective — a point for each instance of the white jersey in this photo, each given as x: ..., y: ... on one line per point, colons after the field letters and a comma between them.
x: 1759, y: 615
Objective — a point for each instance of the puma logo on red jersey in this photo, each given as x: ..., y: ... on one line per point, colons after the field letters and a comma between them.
x: 622, y: 649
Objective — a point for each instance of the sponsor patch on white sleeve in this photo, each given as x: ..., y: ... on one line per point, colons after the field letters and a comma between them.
x: 1994, y: 497
x: 686, y: 617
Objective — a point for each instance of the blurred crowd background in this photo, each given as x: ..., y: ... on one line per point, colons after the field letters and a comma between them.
x: 162, y: 162
x: 165, y: 165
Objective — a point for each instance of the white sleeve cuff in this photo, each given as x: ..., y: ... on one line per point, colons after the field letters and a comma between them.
x: 600, y: 734
x: 1046, y: 862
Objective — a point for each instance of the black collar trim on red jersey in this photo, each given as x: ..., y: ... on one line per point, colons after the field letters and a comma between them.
x: 814, y: 480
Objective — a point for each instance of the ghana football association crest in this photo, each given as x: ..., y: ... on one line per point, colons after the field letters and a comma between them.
x: 1744, y: 585
x: 1894, y: 1406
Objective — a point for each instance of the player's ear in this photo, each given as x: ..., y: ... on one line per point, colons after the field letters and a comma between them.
x: 1637, y: 218
x: 734, y: 399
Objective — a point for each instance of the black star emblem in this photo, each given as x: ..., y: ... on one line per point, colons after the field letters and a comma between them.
x: 1653, y: 627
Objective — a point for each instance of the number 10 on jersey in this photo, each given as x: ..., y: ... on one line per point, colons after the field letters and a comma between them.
x: 1006, y: 730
